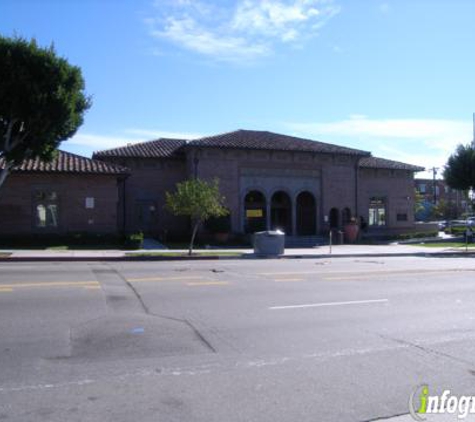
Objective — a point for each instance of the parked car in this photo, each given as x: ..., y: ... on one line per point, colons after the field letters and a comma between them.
x: 471, y: 221
x: 443, y: 225
x: 457, y: 223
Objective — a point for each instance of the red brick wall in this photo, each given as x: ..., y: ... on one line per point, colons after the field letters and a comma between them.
x: 147, y: 183
x: 397, y: 187
x: 17, y: 203
x: 335, y: 186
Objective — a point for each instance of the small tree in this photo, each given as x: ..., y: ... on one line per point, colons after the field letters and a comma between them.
x: 198, y: 200
x: 42, y: 102
x: 440, y: 210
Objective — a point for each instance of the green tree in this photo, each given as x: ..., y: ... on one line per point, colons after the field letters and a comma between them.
x: 418, y: 201
x: 459, y: 172
x: 441, y: 210
x: 197, y: 199
x: 42, y: 102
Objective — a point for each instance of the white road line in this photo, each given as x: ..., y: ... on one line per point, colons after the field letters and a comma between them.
x: 318, y: 305
x: 208, y: 283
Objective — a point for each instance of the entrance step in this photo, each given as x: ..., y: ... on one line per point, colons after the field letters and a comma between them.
x: 304, y: 241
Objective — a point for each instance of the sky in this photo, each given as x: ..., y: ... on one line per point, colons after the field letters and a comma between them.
x: 392, y: 77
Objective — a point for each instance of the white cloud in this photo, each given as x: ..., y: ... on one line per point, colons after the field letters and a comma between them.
x: 94, y: 142
x: 249, y: 30
x: 189, y: 34
x: 155, y: 134
x: 424, y: 142
x: 337, y: 49
x: 98, y: 142
x: 384, y: 8
x: 273, y: 18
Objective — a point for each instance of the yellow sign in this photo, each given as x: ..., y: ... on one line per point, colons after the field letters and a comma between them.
x: 254, y: 213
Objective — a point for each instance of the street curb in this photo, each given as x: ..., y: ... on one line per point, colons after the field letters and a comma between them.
x: 111, y: 259
x: 386, y: 255
x: 452, y: 254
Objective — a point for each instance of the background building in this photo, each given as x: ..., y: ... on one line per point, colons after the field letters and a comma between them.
x: 439, y: 200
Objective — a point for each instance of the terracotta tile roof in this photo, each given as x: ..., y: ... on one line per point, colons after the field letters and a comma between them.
x: 66, y: 162
x: 262, y: 140
x: 239, y: 139
x: 160, y: 148
x: 382, y: 163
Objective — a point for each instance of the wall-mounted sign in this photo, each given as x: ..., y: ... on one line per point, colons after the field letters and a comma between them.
x: 90, y: 202
x: 254, y: 213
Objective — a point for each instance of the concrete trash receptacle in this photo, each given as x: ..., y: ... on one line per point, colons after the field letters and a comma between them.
x: 269, y: 243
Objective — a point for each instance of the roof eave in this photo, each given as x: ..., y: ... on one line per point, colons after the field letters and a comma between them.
x: 359, y: 153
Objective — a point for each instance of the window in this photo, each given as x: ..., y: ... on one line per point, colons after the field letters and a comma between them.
x: 377, y: 212
x: 46, y: 209
x: 422, y: 188
x: 89, y: 203
x: 46, y: 196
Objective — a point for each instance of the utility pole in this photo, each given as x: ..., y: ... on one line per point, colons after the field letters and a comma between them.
x: 434, y: 186
x: 473, y: 139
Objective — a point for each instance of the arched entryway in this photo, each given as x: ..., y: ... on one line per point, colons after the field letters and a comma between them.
x: 255, y: 212
x: 334, y: 218
x: 306, y: 214
x: 281, y: 212
x: 345, y: 216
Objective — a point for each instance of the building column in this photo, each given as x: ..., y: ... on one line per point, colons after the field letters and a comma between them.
x: 293, y: 207
x: 268, y: 222
x: 242, y: 214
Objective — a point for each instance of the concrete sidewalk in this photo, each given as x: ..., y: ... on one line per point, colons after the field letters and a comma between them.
x: 338, y: 251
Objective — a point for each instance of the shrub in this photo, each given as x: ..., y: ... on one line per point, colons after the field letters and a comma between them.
x: 134, y: 241
x: 417, y: 235
x: 42, y: 240
x: 402, y: 236
x: 219, y: 224
x: 455, y: 230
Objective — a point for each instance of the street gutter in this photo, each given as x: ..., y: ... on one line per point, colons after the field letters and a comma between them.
x: 38, y: 258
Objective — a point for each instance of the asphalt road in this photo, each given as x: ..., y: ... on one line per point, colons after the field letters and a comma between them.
x: 344, y: 339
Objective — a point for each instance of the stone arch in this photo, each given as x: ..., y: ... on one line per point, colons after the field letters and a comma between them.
x: 255, y: 211
x: 281, y: 212
x: 334, y: 218
x: 306, y: 210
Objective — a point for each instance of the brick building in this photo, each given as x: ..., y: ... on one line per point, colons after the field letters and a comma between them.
x: 435, y: 192
x: 269, y: 180
x: 71, y: 194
